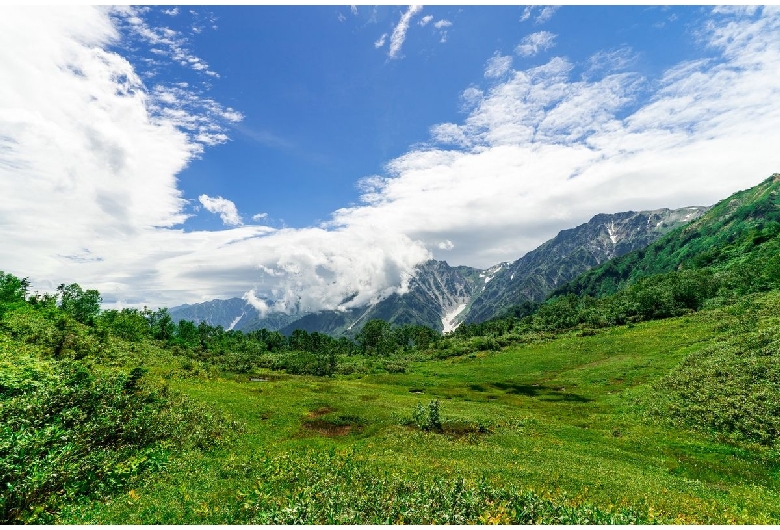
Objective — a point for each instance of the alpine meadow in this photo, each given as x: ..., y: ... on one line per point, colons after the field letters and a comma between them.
x: 558, y: 304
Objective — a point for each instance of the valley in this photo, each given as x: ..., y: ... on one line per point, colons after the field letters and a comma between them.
x: 645, y: 390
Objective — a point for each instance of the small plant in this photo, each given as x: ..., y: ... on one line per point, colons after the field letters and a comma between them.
x: 428, y: 418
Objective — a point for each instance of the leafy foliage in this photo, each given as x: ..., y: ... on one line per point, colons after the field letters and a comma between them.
x: 76, y: 433
x: 732, y: 388
x: 338, y: 488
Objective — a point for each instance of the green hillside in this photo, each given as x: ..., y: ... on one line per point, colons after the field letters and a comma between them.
x: 737, y: 238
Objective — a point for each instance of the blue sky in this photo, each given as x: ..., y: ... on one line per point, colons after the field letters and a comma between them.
x: 306, y: 155
x: 323, y: 106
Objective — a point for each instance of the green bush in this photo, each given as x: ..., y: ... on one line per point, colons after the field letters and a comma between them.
x: 67, y: 432
x: 731, y: 389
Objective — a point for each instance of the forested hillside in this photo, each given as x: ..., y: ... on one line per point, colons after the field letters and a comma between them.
x: 737, y: 238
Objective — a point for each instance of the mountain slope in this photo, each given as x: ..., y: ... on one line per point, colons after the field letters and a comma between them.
x: 572, y: 252
x: 738, y: 234
x: 233, y: 313
x: 436, y: 294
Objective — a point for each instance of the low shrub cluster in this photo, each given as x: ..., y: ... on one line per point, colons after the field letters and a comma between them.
x: 69, y: 432
x: 730, y: 389
x: 343, y: 488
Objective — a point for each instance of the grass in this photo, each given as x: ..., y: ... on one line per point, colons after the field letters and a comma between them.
x: 566, y: 425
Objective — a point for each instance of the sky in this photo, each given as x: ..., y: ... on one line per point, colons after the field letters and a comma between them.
x: 301, y: 156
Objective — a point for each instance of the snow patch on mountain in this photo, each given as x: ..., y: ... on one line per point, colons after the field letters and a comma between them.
x: 236, y: 321
x: 449, y: 321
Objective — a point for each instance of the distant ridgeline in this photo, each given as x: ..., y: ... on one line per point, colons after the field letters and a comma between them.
x: 441, y: 297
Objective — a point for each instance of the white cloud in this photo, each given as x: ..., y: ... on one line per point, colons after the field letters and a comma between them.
x: 259, y: 216
x: 470, y: 97
x: 546, y: 14
x: 380, y: 41
x: 354, y: 10
x: 172, y: 44
x: 498, y: 65
x: 542, y: 151
x: 225, y: 208
x: 171, y: 12
x: 399, y: 33
x: 425, y: 20
x: 535, y: 43
x: 439, y: 24
x: 89, y: 155
x: 610, y: 61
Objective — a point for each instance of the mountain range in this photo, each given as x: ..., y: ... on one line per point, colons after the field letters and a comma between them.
x: 441, y: 296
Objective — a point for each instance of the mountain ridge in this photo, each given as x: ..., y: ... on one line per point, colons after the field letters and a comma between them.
x: 441, y: 296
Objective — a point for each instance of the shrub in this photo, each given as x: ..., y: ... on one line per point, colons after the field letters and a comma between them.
x: 76, y: 433
x: 427, y: 418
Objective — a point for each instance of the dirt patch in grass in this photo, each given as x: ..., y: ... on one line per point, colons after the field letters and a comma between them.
x: 333, y: 426
x: 318, y: 413
x: 326, y: 428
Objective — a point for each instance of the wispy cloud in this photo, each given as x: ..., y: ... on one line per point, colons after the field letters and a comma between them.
x: 614, y: 60
x: 226, y: 209
x: 439, y: 24
x: 380, y: 41
x: 166, y: 41
x: 425, y: 20
x: 534, y: 43
x: 546, y: 14
x: 543, y: 13
x: 399, y: 33
x: 551, y: 150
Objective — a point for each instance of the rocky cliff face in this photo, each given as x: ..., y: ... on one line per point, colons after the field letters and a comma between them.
x: 572, y: 252
x: 436, y: 294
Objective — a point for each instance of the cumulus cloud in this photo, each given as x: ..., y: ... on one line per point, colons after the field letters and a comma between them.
x: 535, y: 43
x: 498, y: 65
x: 89, y: 156
x: 439, y: 24
x: 225, y: 208
x: 470, y: 97
x: 399, y: 33
x: 543, y: 151
x: 425, y: 20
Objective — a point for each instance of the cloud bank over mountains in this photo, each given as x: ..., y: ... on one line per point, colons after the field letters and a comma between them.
x: 89, y: 155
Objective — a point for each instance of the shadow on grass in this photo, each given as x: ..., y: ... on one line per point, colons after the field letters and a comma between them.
x: 543, y: 392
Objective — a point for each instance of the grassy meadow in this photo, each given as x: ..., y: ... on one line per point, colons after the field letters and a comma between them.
x: 579, y: 428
